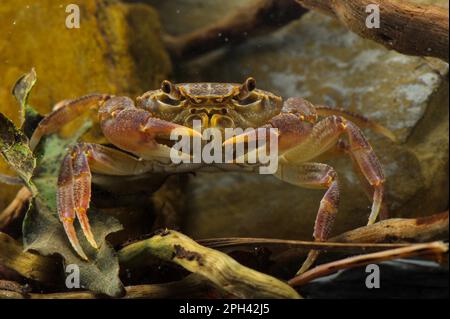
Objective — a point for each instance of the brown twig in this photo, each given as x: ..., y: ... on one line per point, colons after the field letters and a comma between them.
x: 10, y: 180
x: 16, y: 208
x: 408, y: 28
x: 256, y: 18
x: 190, y: 287
x: 395, y: 230
x: 434, y: 248
x: 28, y: 265
x: 347, y: 247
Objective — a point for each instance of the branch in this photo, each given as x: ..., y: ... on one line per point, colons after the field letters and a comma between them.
x: 395, y: 230
x: 408, y: 28
x: 257, y: 18
x: 28, y: 265
x: 411, y: 230
x: 11, y: 180
x: 436, y: 227
x: 16, y: 208
x: 192, y: 286
x: 222, y: 270
x: 361, y: 260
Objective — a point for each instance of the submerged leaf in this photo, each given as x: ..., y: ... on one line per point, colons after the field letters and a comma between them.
x: 44, y: 233
x: 21, y: 92
x: 216, y: 266
x: 15, y: 150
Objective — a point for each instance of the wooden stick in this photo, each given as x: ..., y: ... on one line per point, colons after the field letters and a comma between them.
x: 16, y: 208
x: 218, y: 243
x: 395, y: 230
x: 29, y: 265
x: 408, y: 28
x: 356, y: 261
x: 190, y: 287
x: 257, y: 18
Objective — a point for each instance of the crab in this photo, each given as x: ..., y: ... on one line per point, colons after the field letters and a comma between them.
x: 139, y: 134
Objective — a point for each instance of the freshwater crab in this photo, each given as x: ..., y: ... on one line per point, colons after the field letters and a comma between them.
x: 142, y: 131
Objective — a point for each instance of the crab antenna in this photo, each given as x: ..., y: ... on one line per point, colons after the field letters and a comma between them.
x: 170, y: 89
x: 245, y: 89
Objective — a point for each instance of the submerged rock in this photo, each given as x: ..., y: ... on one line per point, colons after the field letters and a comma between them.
x: 116, y: 50
x: 320, y: 60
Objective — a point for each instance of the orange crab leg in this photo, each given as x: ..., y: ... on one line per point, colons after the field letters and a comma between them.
x: 66, y: 202
x: 82, y: 191
x: 324, y: 136
x: 320, y: 176
x: 358, y: 119
x: 74, y: 185
x: 64, y: 113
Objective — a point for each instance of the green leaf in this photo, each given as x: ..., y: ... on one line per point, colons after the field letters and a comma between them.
x: 44, y: 233
x: 21, y: 92
x: 219, y: 268
x: 15, y: 150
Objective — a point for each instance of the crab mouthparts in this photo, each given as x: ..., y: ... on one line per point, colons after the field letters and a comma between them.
x: 210, y: 117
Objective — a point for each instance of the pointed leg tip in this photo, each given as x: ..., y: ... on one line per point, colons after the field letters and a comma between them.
x: 312, y: 257
x: 303, y: 269
x: 72, y: 235
x: 92, y: 241
x: 82, y: 255
x: 85, y: 226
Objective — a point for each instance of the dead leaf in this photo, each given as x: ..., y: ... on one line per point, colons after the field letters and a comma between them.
x: 44, y: 233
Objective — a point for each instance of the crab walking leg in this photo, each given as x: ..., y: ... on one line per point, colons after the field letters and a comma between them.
x: 315, y: 175
x: 66, y: 203
x: 64, y: 113
x: 74, y: 184
x: 82, y: 191
x: 356, y: 118
x: 343, y: 147
x: 137, y: 131
x: 325, y: 135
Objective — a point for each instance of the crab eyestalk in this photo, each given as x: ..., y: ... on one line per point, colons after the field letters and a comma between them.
x: 246, y: 88
x: 170, y: 89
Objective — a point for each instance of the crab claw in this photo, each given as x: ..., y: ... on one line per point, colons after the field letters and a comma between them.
x: 285, y: 126
x: 159, y: 129
x: 256, y: 140
x: 251, y: 136
x: 163, y: 129
x: 137, y: 131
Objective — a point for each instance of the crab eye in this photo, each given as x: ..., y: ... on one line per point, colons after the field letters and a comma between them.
x: 250, y: 84
x: 246, y: 93
x: 171, y: 90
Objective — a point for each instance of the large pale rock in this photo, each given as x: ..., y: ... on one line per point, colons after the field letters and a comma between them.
x: 318, y: 59
x: 181, y: 16
x: 117, y: 50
